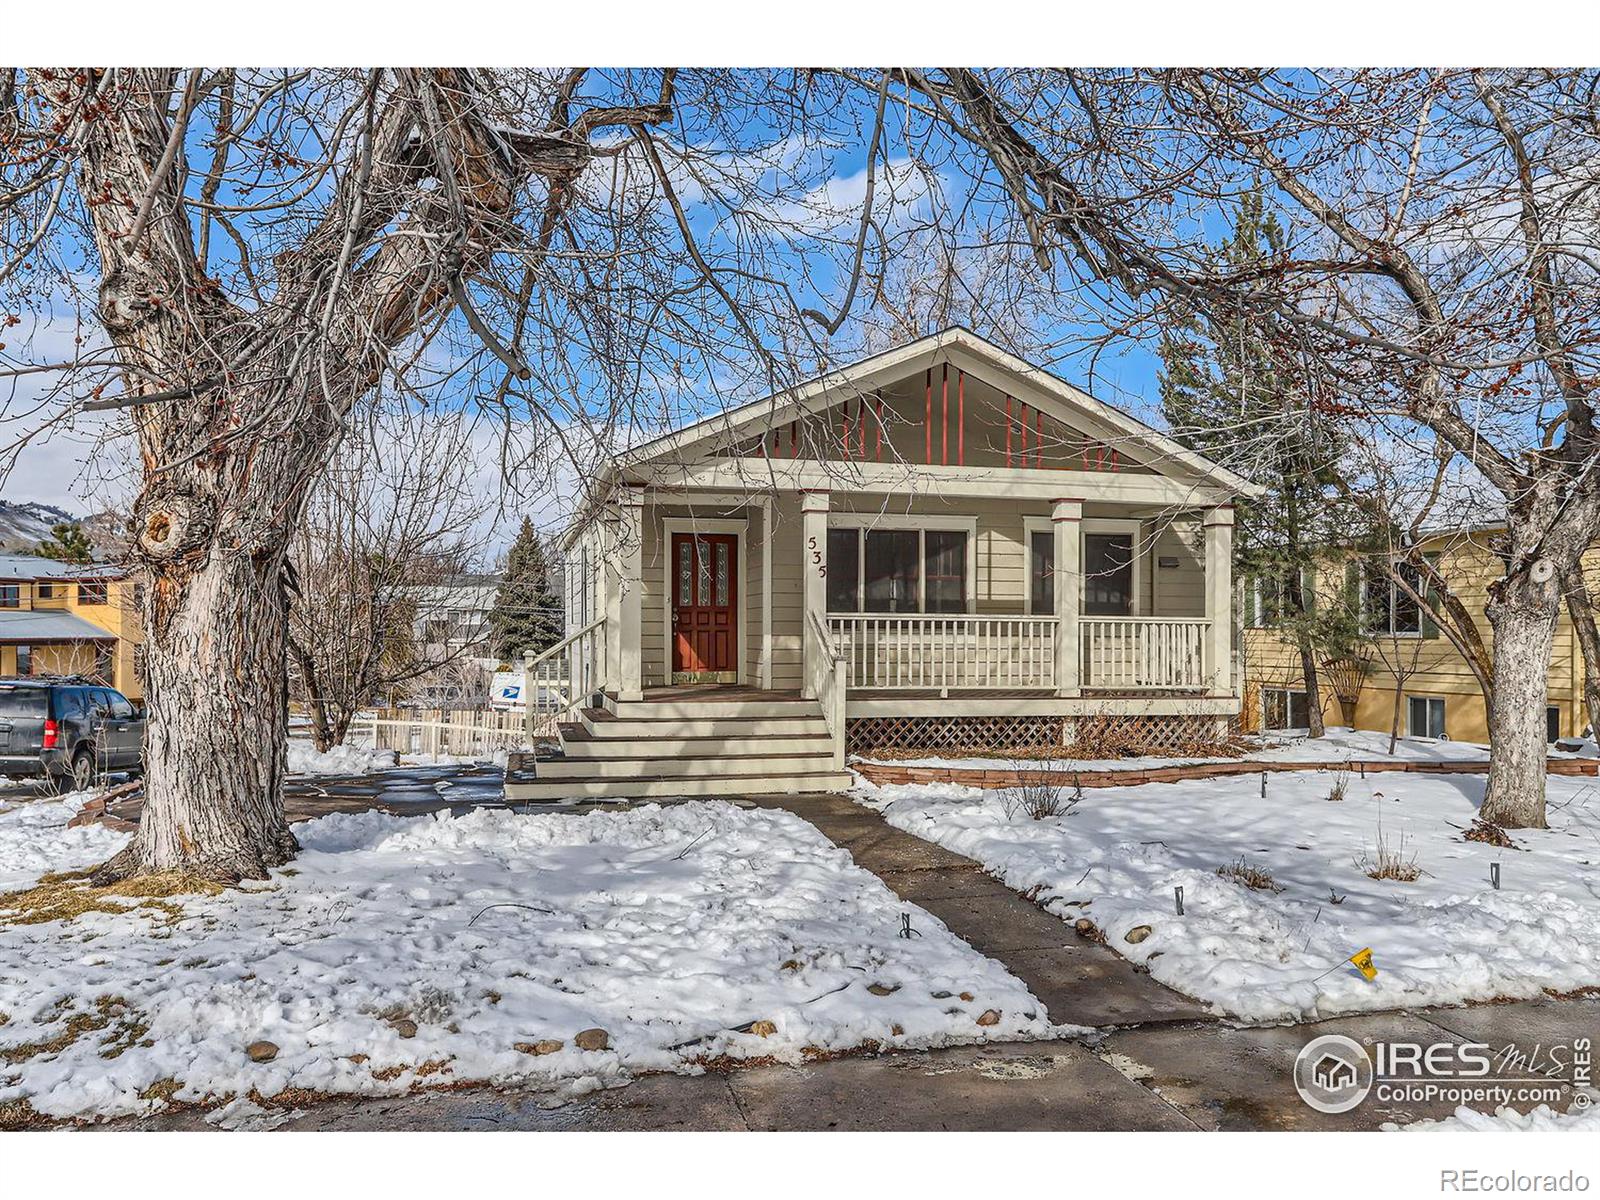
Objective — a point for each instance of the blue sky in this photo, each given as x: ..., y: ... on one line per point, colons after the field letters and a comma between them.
x: 808, y: 200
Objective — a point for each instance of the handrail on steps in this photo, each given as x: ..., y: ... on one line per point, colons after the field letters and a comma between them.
x: 569, y: 690
x: 830, y: 685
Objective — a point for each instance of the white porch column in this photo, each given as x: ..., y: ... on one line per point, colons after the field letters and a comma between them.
x: 1067, y: 522
x: 608, y: 549
x: 629, y: 557
x: 814, y: 546
x: 765, y: 670
x: 1219, y: 598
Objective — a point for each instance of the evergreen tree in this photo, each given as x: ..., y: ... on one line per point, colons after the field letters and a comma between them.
x: 67, y: 543
x: 527, y: 613
x: 1230, y: 393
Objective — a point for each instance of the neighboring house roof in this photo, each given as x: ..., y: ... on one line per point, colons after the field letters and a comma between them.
x: 29, y: 567
x: 43, y: 625
x: 1069, y: 402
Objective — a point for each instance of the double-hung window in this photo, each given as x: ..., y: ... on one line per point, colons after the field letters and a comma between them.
x: 1388, y: 608
x: 898, y: 570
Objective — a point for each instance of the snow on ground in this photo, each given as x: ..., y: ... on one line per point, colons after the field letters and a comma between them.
x: 353, y: 758
x: 666, y: 927
x: 1446, y: 938
x: 1287, y: 745
x: 34, y: 839
x: 1543, y: 1119
x: 306, y: 759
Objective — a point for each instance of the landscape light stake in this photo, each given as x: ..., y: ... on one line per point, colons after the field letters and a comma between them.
x: 1177, y: 899
x: 1494, y: 875
x: 905, y: 927
x: 1263, y: 785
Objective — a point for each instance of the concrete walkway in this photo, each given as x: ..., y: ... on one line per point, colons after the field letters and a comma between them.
x: 1204, y: 1076
x: 1154, y: 1061
x: 1078, y: 982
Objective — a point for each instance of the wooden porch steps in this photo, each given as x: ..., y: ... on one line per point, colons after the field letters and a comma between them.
x: 685, y: 742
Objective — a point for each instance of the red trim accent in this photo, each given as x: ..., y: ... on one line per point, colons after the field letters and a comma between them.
x: 1024, y: 410
x: 1038, y: 438
x: 961, y: 418
x: 844, y: 427
x: 1008, y: 431
x: 944, y: 415
x: 878, y: 449
x: 927, y: 422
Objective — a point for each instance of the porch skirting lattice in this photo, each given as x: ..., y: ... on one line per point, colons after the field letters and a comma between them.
x: 1036, y: 736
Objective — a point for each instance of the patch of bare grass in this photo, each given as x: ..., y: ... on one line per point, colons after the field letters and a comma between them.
x: 1256, y: 878
x: 63, y: 896
x: 124, y: 1025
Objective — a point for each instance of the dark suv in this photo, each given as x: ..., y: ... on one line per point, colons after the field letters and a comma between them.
x: 70, y: 731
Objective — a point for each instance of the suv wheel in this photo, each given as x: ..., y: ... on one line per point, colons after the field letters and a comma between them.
x: 82, y: 769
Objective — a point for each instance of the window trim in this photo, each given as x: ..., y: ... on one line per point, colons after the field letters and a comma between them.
x: 1134, y: 528
x: 1030, y: 527
x: 870, y: 522
x: 1444, y: 716
x: 1288, y: 707
x: 10, y: 595
x: 1255, y: 610
x: 1394, y: 593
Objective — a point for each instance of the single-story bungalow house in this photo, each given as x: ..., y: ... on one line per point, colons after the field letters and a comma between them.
x: 939, y: 547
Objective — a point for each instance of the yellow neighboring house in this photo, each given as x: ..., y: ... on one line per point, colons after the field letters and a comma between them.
x: 1439, y: 693
x: 69, y: 619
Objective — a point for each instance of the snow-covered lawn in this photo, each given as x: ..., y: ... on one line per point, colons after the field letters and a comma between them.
x: 1445, y: 938
x: 397, y: 952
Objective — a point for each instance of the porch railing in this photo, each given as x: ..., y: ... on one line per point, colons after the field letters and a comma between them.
x: 565, y: 677
x: 1142, y: 653
x: 946, y: 651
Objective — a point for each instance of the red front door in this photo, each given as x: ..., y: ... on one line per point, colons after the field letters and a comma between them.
x: 705, y: 598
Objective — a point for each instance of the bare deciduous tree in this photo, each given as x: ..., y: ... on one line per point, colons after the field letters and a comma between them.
x: 1442, y: 273
x: 574, y: 252
x: 394, y: 518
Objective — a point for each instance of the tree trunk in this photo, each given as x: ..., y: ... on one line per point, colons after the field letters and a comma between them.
x: 1581, y: 606
x: 1522, y: 614
x: 217, y: 693
x: 1308, y: 668
x: 316, y: 705
x: 1394, y: 720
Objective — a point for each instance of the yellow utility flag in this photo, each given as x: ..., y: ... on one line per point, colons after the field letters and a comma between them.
x: 1363, y: 963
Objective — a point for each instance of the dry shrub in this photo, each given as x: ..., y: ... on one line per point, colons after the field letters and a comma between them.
x: 1341, y: 784
x: 1253, y: 877
x: 1041, y: 791
x: 65, y: 895
x: 1106, y: 737
x: 1390, y: 861
x: 1491, y: 835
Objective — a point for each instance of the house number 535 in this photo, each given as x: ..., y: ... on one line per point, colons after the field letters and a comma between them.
x: 816, y: 557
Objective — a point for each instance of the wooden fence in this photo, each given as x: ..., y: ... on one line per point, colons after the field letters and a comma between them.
x: 462, y: 732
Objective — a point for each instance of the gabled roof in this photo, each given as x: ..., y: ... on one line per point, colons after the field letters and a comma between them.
x: 29, y: 567
x: 1049, y: 392
x: 49, y: 625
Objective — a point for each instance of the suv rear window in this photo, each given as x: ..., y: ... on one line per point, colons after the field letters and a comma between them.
x: 23, y: 702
